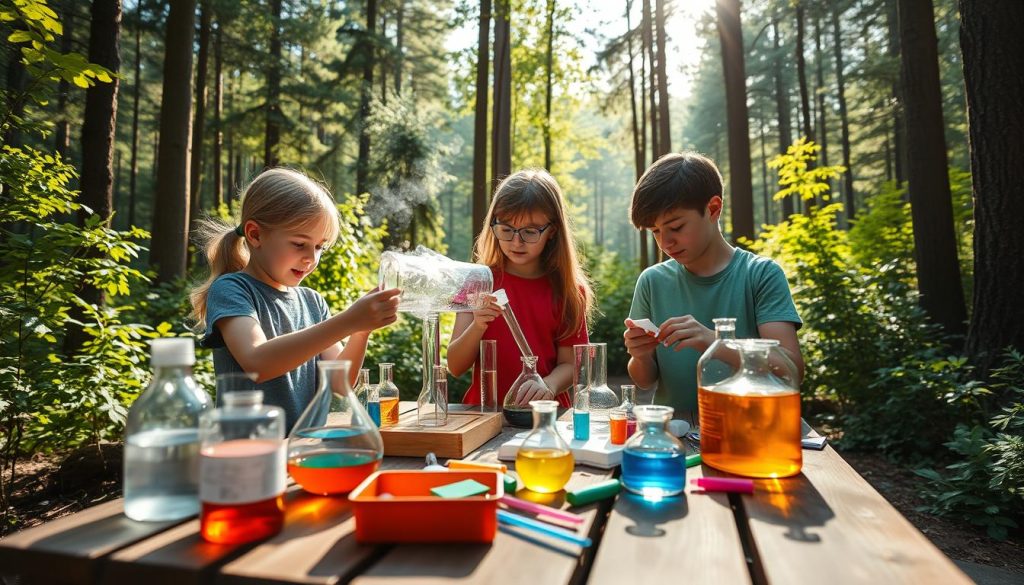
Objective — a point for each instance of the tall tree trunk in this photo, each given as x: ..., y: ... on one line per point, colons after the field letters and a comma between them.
x: 844, y: 121
x: 801, y: 68
x: 15, y: 98
x: 991, y: 42
x: 273, y: 108
x: 480, y: 121
x: 931, y: 204
x: 639, y: 162
x: 665, y: 133
x: 218, y: 108
x: 730, y: 34
x: 98, y: 133
x: 501, y: 131
x: 170, y: 226
x: 199, y: 117
x: 648, y: 37
x: 233, y: 178
x: 899, y: 129
x: 62, y: 133
x: 819, y: 92
x: 399, y: 43
x: 363, y: 162
x: 765, y: 196
x: 133, y: 180
x: 548, y: 69
x: 781, y: 107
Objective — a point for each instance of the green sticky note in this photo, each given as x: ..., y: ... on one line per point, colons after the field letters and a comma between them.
x: 511, y: 484
x: 460, y: 489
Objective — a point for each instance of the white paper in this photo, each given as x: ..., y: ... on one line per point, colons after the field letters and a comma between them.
x: 646, y: 325
x: 502, y: 297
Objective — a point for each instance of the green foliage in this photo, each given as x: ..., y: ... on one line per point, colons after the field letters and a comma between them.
x: 798, y: 177
x: 614, y: 280
x: 985, y: 485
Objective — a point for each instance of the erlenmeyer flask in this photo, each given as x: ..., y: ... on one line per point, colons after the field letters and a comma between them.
x: 602, y: 398
x: 334, y: 444
x: 544, y: 461
x: 521, y: 415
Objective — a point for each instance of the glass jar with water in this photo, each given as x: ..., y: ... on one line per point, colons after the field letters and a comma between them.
x: 654, y: 461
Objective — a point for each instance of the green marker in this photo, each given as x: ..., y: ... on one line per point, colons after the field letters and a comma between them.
x: 693, y: 460
x: 593, y: 493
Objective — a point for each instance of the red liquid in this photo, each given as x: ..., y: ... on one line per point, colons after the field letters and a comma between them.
x: 388, y: 411
x: 618, y: 429
x: 630, y: 427
x: 238, y: 523
x: 332, y: 472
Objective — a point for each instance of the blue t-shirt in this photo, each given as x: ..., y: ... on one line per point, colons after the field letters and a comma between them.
x: 751, y: 288
x: 238, y: 294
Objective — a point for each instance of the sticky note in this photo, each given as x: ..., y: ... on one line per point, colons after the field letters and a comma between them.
x: 502, y: 296
x: 460, y: 489
x: 646, y: 325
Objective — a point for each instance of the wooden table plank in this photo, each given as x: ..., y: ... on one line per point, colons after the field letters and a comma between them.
x: 829, y: 524
x: 693, y: 536
x: 66, y: 549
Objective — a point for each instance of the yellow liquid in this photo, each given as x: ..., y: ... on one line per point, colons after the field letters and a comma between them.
x: 388, y: 411
x: 544, y: 470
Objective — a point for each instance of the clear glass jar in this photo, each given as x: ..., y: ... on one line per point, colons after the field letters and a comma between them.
x: 161, y: 454
x: 387, y: 395
x: 520, y: 415
x: 335, y: 444
x: 433, y: 283
x: 654, y: 461
x: 749, y: 401
x: 242, y: 469
x: 544, y: 461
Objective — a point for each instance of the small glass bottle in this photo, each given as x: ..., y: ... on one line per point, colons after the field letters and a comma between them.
x: 581, y: 381
x: 387, y: 393
x: 334, y: 445
x: 515, y: 414
x: 628, y: 404
x: 362, y: 387
x: 544, y: 460
x: 653, y: 461
x: 242, y: 469
x: 161, y: 456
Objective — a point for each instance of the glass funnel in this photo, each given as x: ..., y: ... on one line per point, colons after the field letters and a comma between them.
x: 521, y: 415
x: 653, y: 461
x: 334, y: 444
x: 544, y: 461
x: 749, y: 399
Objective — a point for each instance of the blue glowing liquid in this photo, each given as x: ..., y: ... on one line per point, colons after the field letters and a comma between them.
x: 653, y: 472
x: 374, y: 409
x: 580, y: 425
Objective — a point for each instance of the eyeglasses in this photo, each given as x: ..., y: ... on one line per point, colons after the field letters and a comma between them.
x: 507, y: 233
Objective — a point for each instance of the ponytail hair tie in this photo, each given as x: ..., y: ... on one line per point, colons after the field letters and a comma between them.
x: 239, y: 231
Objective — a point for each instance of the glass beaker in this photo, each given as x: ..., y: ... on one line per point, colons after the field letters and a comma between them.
x: 602, y: 398
x: 488, y: 375
x: 521, y: 415
x: 544, y: 460
x: 433, y: 283
x: 362, y: 387
x: 653, y: 461
x: 628, y: 392
x: 241, y: 469
x: 432, y: 407
x: 750, y: 419
x: 582, y: 377
x: 334, y: 444
x: 387, y: 395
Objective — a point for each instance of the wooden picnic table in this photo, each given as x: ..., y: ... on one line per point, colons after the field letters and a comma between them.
x: 826, y: 525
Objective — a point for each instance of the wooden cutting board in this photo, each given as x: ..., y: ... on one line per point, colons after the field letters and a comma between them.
x: 464, y: 432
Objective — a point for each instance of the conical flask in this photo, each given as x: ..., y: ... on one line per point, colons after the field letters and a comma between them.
x: 521, y: 415
x: 334, y: 444
x: 602, y: 397
x: 544, y: 461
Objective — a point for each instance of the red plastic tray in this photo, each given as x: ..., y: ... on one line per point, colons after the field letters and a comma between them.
x: 413, y: 514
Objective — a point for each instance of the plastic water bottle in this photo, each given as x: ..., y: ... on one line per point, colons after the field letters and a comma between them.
x: 161, y: 453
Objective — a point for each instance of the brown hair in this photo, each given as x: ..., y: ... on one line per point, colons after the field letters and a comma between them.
x: 532, y: 190
x: 684, y: 179
x: 276, y: 199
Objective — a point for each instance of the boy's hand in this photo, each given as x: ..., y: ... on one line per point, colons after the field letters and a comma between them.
x: 533, y: 390
x: 375, y: 309
x: 490, y: 310
x: 639, y: 342
x: 685, y: 331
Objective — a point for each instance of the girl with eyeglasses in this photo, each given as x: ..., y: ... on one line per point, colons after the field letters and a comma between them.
x: 528, y: 244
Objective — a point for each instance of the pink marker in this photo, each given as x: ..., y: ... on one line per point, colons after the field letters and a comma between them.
x: 541, y: 510
x: 725, y: 484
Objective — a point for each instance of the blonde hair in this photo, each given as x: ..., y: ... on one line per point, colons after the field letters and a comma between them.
x: 277, y: 198
x: 535, y: 190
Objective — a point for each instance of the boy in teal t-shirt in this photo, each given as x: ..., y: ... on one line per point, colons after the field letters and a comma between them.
x: 679, y: 199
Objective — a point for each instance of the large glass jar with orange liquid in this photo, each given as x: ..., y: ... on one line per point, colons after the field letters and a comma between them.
x: 749, y: 400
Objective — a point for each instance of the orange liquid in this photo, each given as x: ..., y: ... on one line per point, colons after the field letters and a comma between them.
x: 388, y: 411
x: 238, y: 523
x: 618, y: 430
x: 751, y: 435
x: 332, y: 472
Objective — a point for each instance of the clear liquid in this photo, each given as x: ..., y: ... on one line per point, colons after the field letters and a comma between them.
x: 653, y: 473
x: 489, y: 391
x: 161, y: 475
x: 580, y: 425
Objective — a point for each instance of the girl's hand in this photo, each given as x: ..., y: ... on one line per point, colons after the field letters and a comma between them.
x: 639, y: 342
x: 374, y: 310
x: 685, y: 331
x: 483, y: 316
x: 533, y: 390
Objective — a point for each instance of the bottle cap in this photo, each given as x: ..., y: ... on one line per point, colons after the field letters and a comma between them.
x: 172, y: 351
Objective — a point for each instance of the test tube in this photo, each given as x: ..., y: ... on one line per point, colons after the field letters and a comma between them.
x: 517, y: 332
x: 488, y: 375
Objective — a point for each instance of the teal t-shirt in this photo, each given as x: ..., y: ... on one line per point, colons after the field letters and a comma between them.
x: 752, y: 289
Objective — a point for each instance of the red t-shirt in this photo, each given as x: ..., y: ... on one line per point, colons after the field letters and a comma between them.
x: 539, y: 316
